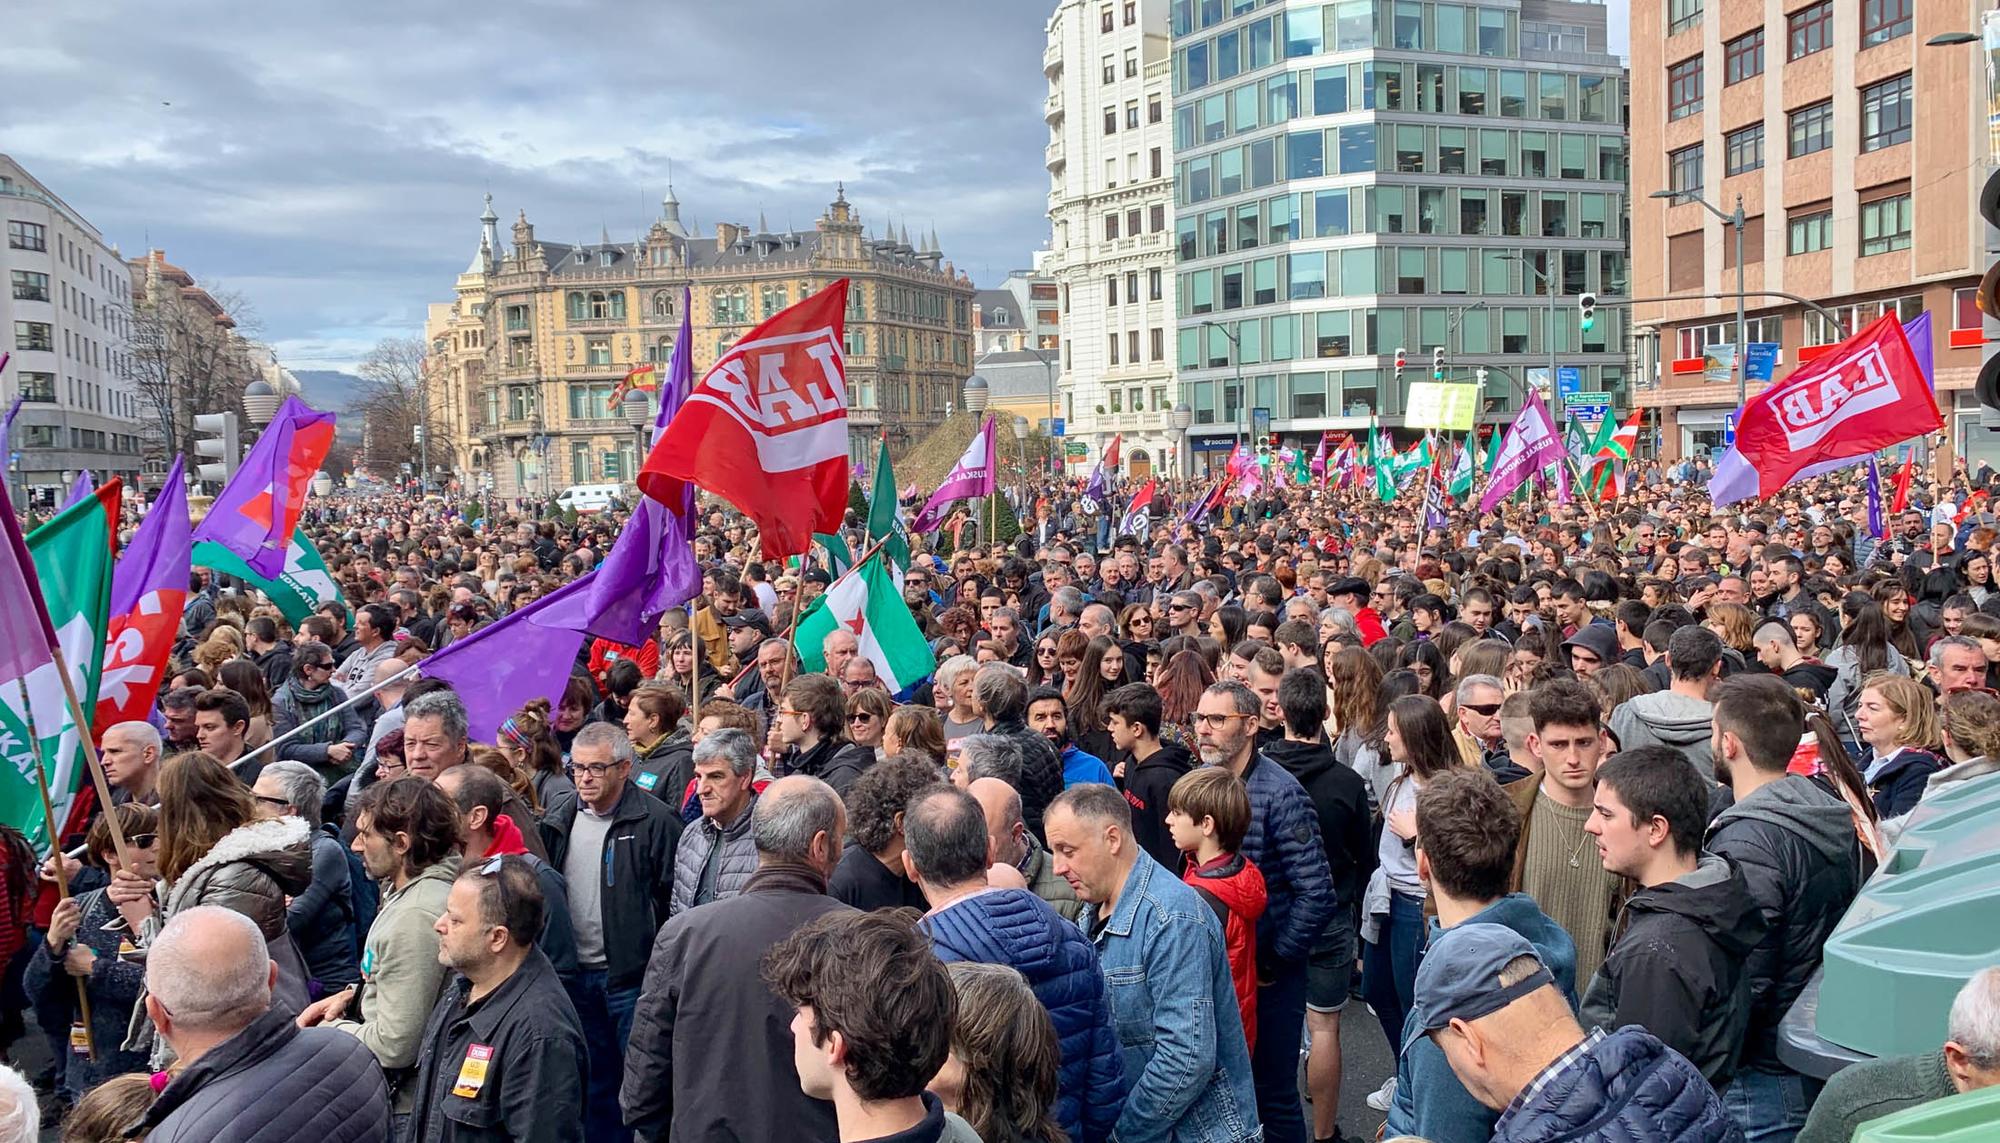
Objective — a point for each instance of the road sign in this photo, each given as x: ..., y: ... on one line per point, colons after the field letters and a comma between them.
x: 1056, y: 428
x: 1595, y: 412
x: 1075, y: 450
x: 1569, y: 380
x: 1729, y: 430
x: 1594, y: 397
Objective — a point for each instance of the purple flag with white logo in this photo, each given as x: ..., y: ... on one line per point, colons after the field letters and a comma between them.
x: 1531, y: 445
x: 971, y: 476
x: 1876, y: 525
x: 524, y: 655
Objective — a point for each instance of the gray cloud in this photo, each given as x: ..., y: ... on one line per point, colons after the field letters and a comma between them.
x: 328, y: 162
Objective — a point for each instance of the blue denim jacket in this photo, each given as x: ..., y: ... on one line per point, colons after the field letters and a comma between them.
x: 1168, y: 974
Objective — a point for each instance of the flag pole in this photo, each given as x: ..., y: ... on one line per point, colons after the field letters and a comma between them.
x: 55, y: 834
x: 93, y: 762
x: 329, y: 712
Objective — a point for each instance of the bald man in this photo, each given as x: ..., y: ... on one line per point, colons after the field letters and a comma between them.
x: 131, y: 754
x: 1012, y: 846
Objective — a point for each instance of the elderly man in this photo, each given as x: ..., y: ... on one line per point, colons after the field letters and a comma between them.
x: 434, y: 734
x: 1095, y: 621
x: 246, y: 1072
x: 1958, y: 663
x: 1012, y: 845
x: 131, y: 755
x: 1478, y: 700
x: 727, y: 1071
x: 945, y: 852
x: 321, y: 919
x: 839, y: 648
x: 1968, y: 1061
x: 858, y: 675
x: 717, y: 856
x: 1187, y: 1067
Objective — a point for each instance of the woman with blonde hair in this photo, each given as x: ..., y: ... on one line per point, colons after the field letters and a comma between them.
x: 1898, y: 720
x: 1001, y: 1072
x: 1736, y: 626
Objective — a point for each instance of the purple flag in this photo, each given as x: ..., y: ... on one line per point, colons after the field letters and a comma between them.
x: 651, y: 568
x: 25, y: 632
x: 971, y: 476
x: 1918, y: 332
x: 501, y: 666
x: 1319, y: 458
x: 83, y: 487
x: 1530, y: 446
x: 1876, y: 526
x: 258, y: 508
x: 7, y: 422
x: 1096, y: 485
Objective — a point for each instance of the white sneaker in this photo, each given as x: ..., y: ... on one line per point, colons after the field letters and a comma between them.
x: 1382, y: 1097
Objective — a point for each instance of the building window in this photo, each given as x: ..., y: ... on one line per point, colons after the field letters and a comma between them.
x: 1809, y: 30
x: 1153, y: 109
x: 1810, y: 129
x: 1885, y: 113
x: 34, y: 335
x: 1743, y: 150
x: 517, y: 319
x: 1883, y: 20
x: 27, y: 236
x: 1132, y: 287
x: 1112, y: 339
x: 1743, y: 57
x: 1885, y: 225
x: 1111, y: 121
x: 30, y: 286
x: 1684, y: 88
x: 1111, y: 226
x: 1104, y: 19
x: 1132, y: 114
x: 1965, y: 313
x: 1682, y: 15
x: 1684, y: 170
x: 1809, y: 232
x: 1157, y: 348
x: 1154, y: 283
x: 597, y: 351
x: 1111, y: 290
x: 38, y: 387
x: 1131, y: 65
x: 1131, y: 12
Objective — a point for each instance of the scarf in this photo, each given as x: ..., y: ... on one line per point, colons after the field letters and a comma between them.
x: 313, y: 702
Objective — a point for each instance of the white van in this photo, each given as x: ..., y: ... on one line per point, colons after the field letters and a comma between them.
x: 586, y: 499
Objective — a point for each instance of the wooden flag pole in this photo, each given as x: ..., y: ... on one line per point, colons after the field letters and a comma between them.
x: 92, y: 761
x: 55, y: 840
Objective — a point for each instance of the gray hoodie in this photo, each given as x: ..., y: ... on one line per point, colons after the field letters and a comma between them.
x: 1664, y: 718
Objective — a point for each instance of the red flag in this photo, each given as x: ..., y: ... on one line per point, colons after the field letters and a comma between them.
x: 1866, y: 393
x: 1110, y: 461
x: 148, y: 591
x: 1901, y: 500
x: 766, y: 429
x: 1973, y: 503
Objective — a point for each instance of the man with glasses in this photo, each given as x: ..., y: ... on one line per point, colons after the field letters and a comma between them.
x: 1184, y: 614
x: 330, y: 745
x: 1480, y: 742
x: 615, y: 846
x: 321, y: 919
x: 503, y: 1049
x: 1284, y: 843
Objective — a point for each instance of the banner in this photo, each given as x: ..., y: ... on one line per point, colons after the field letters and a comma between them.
x: 1442, y: 405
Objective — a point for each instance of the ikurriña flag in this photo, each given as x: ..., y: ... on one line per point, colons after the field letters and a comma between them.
x: 766, y: 429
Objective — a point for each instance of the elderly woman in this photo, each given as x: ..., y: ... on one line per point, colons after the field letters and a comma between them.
x: 322, y: 918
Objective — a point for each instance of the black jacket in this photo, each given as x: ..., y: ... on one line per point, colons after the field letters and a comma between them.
x: 666, y: 769
x: 835, y: 761
x: 1812, y: 676
x: 1676, y: 969
x: 1798, y: 852
x: 710, y: 1056
x: 535, y: 1077
x: 635, y: 881
x: 1896, y: 789
x: 1146, y: 787
x: 274, y: 1082
x: 276, y: 664
x: 1340, y: 800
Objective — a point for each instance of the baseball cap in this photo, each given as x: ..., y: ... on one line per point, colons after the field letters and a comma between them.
x: 748, y: 617
x: 818, y: 576
x: 1459, y: 978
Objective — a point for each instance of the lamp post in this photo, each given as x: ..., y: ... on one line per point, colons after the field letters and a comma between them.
x: 1180, y: 419
x: 1742, y: 327
x: 1020, y: 427
x: 1235, y: 355
x: 638, y: 409
x: 1549, y: 288
x: 1048, y: 361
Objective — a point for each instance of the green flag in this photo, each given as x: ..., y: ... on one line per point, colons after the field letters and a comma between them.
x: 302, y: 586
x: 72, y: 557
x: 883, y: 518
x: 1381, y: 458
x: 1460, y: 484
x: 838, y: 558
x: 1415, y: 460
x: 868, y: 604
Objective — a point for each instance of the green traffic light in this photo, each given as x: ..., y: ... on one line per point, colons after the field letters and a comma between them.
x: 1588, y: 321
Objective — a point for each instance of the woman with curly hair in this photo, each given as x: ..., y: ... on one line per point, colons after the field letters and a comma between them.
x: 1182, y: 680
x: 870, y: 873
x: 1001, y: 1072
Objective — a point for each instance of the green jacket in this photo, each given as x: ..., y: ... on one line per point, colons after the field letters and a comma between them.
x: 401, y: 976
x: 1865, y: 1091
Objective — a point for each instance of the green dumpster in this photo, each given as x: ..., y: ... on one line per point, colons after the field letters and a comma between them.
x: 1970, y: 1118
x: 1961, y: 821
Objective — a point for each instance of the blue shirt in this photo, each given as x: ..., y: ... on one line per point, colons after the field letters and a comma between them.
x: 1079, y: 767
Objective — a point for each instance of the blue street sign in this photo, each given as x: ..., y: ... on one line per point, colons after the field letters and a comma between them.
x: 1056, y: 427
x: 1590, y: 412
x: 1728, y: 430
x: 1760, y: 360
x: 1569, y: 379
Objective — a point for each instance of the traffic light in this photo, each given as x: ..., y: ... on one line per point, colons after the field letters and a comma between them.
x: 1586, y: 306
x: 1437, y: 363
x: 1987, y: 387
x: 225, y: 447
x: 1402, y: 359
x: 1274, y: 442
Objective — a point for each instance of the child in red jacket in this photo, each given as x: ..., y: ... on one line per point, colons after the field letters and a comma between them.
x: 1208, y: 812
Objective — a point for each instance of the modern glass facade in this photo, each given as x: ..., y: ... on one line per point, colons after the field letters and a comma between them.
x: 1356, y: 177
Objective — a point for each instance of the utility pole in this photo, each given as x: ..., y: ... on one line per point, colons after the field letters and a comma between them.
x: 1734, y: 220
x: 1235, y: 356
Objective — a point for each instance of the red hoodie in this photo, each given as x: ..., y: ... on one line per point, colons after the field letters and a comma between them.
x: 507, y: 839
x: 1235, y: 884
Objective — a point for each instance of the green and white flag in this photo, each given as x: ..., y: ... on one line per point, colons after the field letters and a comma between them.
x: 302, y: 586
x: 884, y: 519
x: 868, y: 604
x: 72, y: 558
x: 838, y: 558
x: 1381, y: 457
x: 1460, y: 483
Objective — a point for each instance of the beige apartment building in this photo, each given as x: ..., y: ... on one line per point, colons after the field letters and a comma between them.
x: 1857, y: 151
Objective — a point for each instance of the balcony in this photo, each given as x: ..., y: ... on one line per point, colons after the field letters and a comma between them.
x: 1052, y: 60
x: 1052, y: 156
x: 527, y: 371
x: 1052, y: 110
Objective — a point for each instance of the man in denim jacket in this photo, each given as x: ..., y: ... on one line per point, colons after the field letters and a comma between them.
x: 1162, y: 952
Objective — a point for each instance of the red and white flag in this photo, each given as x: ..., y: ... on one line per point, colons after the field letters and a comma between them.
x: 766, y: 429
x: 1137, y: 522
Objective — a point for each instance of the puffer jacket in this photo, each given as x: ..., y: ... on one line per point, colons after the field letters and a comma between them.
x: 1799, y: 854
x: 1627, y: 1086
x: 738, y: 859
x: 1236, y: 889
x: 322, y: 917
x: 1676, y: 968
x: 1284, y: 844
x: 251, y: 870
x: 273, y: 1082
x: 1018, y: 929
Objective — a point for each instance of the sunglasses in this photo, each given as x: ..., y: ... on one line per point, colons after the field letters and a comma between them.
x: 860, y: 717
x: 1483, y: 709
x: 143, y: 840
x: 1045, y: 651
x: 1179, y: 607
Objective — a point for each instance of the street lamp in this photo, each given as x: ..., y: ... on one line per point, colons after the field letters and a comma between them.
x: 1947, y: 39
x: 638, y: 409
x: 1020, y: 426
x: 1548, y: 288
x: 1742, y: 326
x: 977, y: 393
x: 1180, y: 419
x: 1048, y: 361
x: 1235, y: 355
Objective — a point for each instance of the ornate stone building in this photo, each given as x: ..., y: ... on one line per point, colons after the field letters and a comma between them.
x: 541, y: 333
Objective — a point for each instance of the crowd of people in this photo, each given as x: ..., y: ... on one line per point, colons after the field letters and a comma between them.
x: 1569, y: 796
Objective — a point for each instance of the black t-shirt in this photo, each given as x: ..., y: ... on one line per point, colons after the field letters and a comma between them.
x: 861, y: 880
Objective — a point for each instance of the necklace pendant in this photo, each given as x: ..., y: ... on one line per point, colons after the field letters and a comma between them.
x: 1574, y: 863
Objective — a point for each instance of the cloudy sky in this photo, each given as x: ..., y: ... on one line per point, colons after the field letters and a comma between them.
x: 328, y: 161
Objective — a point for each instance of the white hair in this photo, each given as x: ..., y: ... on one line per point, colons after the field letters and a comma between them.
x: 210, y: 969
x: 1974, y: 1024
x: 949, y: 670
x: 20, y: 1116
x: 144, y: 735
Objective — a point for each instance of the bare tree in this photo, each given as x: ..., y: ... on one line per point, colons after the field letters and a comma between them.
x: 396, y: 387
x: 186, y: 356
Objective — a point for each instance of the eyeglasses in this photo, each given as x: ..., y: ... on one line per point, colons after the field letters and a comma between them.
x: 1483, y: 709
x: 594, y: 769
x: 267, y: 800
x: 387, y: 768
x: 1217, y: 719
x: 788, y: 712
